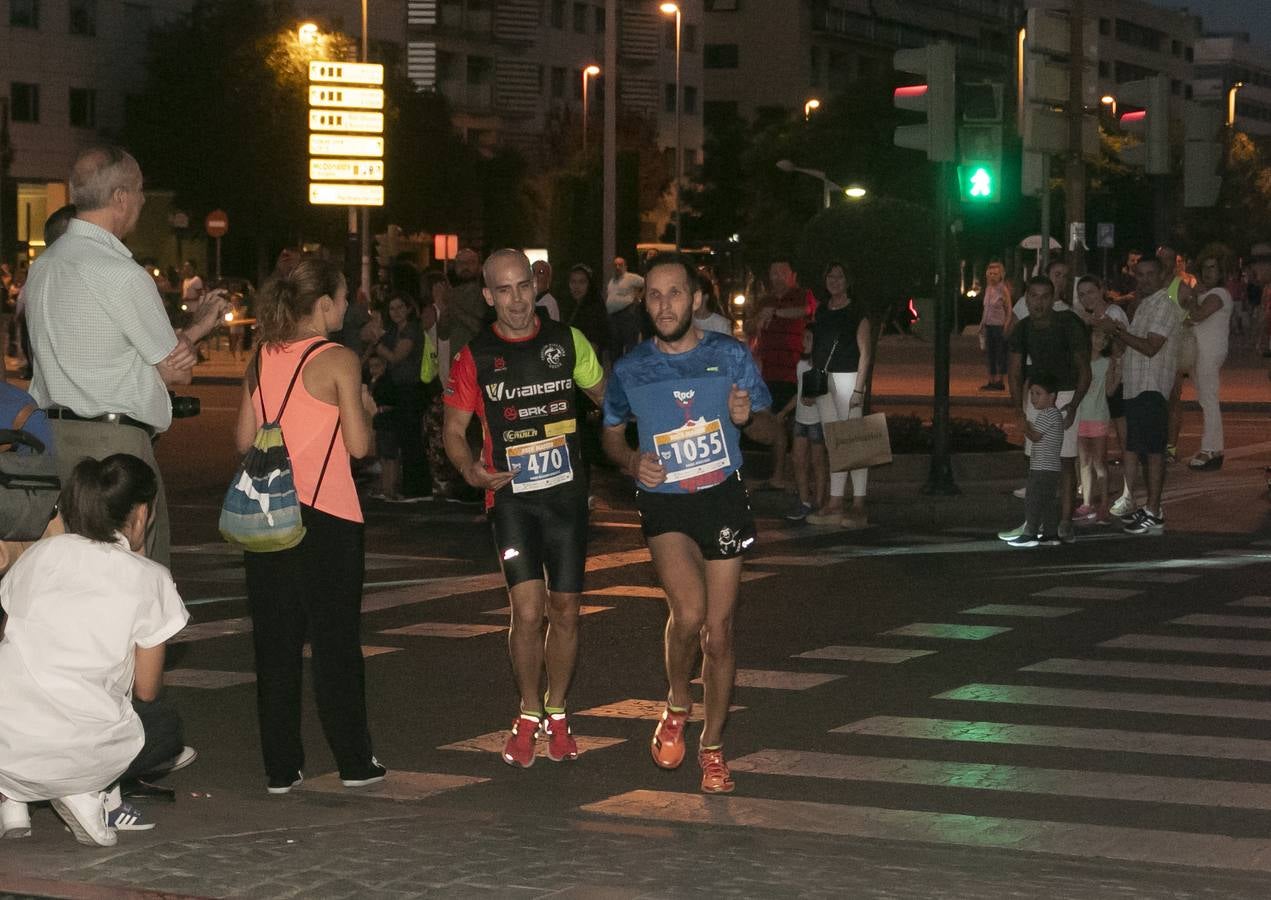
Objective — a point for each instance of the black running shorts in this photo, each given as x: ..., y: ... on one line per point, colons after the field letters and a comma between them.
x: 544, y: 530
x: 717, y: 519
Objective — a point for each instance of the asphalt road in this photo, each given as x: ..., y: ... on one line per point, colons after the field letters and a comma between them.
x: 921, y: 712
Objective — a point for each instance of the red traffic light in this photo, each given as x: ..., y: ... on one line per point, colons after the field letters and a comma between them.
x: 1132, y: 118
x: 911, y: 91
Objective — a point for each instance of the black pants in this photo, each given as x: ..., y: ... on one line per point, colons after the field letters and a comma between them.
x: 407, y: 418
x: 165, y: 736
x: 313, y: 590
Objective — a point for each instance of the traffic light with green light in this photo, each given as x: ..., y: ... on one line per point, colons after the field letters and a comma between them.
x: 980, y: 182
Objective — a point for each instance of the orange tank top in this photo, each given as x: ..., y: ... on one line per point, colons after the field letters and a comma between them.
x: 310, y: 429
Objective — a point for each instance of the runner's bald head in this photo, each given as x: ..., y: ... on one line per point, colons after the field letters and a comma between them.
x: 501, y: 257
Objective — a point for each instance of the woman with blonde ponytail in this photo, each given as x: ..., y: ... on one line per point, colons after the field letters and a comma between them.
x: 313, y: 591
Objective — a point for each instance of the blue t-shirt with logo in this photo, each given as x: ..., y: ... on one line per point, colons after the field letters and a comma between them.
x: 12, y: 401
x: 680, y: 403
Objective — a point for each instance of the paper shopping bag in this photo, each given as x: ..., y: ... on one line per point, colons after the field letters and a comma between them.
x: 857, y: 443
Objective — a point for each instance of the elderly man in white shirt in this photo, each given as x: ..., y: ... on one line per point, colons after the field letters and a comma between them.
x: 104, y: 350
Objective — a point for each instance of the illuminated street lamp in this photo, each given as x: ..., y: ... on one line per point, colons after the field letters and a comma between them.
x: 673, y: 9
x: 855, y: 192
x: 1110, y: 101
x: 810, y: 107
x: 307, y: 34
x: 590, y: 72
x: 1231, y: 101
x: 827, y: 186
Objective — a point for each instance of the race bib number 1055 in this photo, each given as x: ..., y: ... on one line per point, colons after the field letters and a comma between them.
x: 539, y: 465
x: 691, y: 450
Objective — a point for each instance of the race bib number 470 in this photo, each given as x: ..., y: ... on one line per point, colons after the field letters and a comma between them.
x: 539, y: 465
x: 694, y: 449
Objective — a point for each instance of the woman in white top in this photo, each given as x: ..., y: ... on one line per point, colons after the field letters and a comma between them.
x: 1209, y: 315
x: 88, y: 618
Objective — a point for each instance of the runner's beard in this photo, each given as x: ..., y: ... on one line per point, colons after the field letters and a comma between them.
x: 677, y: 332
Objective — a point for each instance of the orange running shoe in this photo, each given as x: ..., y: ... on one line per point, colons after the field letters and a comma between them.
x: 560, y: 739
x: 716, y: 779
x: 668, y: 739
x: 519, y: 750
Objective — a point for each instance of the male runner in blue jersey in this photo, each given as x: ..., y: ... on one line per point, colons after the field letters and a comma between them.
x: 518, y: 376
x: 691, y: 393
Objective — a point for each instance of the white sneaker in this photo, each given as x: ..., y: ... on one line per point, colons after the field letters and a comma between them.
x: 176, y: 763
x: 1011, y: 535
x: 15, y: 819
x: 1020, y: 492
x: 1123, y: 506
x: 85, y: 815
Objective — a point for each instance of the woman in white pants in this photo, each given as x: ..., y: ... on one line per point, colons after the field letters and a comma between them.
x: 841, y: 345
x: 1210, y: 319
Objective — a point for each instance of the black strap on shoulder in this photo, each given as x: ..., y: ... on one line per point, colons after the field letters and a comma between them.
x: 326, y: 459
x: 294, y: 377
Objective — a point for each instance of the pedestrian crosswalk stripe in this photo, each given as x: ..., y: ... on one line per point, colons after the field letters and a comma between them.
x: 397, y: 785
x: 1215, y: 646
x: 445, y: 630
x: 494, y: 741
x: 641, y: 709
x: 1017, y: 609
x: 1142, y: 845
x: 208, y: 679
x: 1078, y: 592
x: 1155, y: 671
x: 583, y: 610
x: 1015, y: 779
x: 628, y: 590
x: 367, y: 651
x: 1204, y: 620
x: 1151, y: 577
x: 1102, y: 739
x: 865, y: 654
x: 1256, y: 600
x: 1121, y: 701
x: 779, y: 680
x: 202, y: 631
x: 947, y: 631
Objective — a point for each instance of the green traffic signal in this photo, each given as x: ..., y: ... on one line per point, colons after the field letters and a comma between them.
x: 978, y: 183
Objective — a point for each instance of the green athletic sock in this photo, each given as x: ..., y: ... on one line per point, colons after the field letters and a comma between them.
x: 532, y: 715
x: 716, y: 747
x: 552, y: 710
x: 676, y: 709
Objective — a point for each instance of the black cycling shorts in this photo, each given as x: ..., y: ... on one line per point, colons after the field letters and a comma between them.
x: 717, y: 519
x: 543, y: 530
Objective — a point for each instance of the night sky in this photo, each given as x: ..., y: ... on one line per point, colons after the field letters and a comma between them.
x: 1253, y: 16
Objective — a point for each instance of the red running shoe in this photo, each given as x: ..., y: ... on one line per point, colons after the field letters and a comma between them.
x: 560, y: 740
x: 668, y: 739
x: 519, y: 750
x: 716, y: 779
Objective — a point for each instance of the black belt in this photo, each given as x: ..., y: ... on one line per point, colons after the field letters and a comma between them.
x: 61, y: 412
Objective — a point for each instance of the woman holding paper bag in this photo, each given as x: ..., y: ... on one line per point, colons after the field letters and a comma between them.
x: 841, y: 345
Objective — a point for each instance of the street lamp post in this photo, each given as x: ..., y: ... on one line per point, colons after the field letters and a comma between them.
x: 589, y: 72
x: 828, y: 187
x: 366, y: 210
x: 810, y: 107
x: 674, y: 9
x: 1111, y: 102
x: 1231, y: 102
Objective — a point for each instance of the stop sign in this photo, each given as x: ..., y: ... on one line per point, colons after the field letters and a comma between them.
x: 216, y: 223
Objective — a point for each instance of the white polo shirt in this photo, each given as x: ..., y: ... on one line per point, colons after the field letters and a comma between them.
x: 98, y: 328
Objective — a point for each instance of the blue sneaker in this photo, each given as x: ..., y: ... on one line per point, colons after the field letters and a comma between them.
x: 799, y: 513
x: 126, y: 817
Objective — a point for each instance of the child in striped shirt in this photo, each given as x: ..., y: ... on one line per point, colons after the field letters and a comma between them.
x: 1046, y: 431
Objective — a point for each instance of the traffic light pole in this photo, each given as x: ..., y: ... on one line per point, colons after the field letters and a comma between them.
x: 940, y: 479
x: 1075, y: 172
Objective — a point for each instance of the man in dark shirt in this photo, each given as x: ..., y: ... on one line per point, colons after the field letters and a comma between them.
x: 1057, y: 343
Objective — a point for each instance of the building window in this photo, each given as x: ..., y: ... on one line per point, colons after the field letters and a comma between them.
x: 668, y: 97
x: 719, y: 112
x: 1105, y: 27
x: 722, y: 5
x: 814, y: 64
x: 24, y: 102
x: 1105, y: 70
x: 480, y: 69
x: 690, y: 39
x: 445, y: 66
x: 721, y: 56
x: 24, y: 13
x: 83, y: 108
x: 83, y: 17
x: 558, y: 84
x: 558, y: 14
x: 578, y: 84
x: 580, y: 18
x: 137, y: 18
x: 1188, y: 54
x: 600, y: 20
x: 690, y: 100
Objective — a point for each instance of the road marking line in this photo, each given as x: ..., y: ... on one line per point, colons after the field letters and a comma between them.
x: 1121, y: 701
x: 1256, y: 601
x: 1151, y: 671
x: 1151, y: 577
x: 202, y: 631
x: 583, y: 610
x: 778, y: 680
x: 1205, y: 620
x: 864, y: 654
x: 367, y: 651
x: 628, y: 590
x: 640, y: 709
x: 945, y: 631
x: 445, y: 630
x: 206, y: 679
x: 1216, y: 646
x: 1143, y: 845
x: 1016, y: 779
x: 1014, y: 609
x: 1101, y: 739
x: 1077, y: 592
x: 494, y: 741
x: 397, y: 785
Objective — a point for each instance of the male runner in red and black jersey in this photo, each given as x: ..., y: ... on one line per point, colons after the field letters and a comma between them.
x: 518, y: 376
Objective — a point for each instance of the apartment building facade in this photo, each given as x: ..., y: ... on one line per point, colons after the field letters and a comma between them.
x: 1227, y: 62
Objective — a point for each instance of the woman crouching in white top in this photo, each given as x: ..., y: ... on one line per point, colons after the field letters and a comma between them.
x: 88, y: 616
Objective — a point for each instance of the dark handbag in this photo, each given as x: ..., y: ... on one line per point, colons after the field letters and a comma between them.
x: 29, y: 486
x: 816, y: 382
